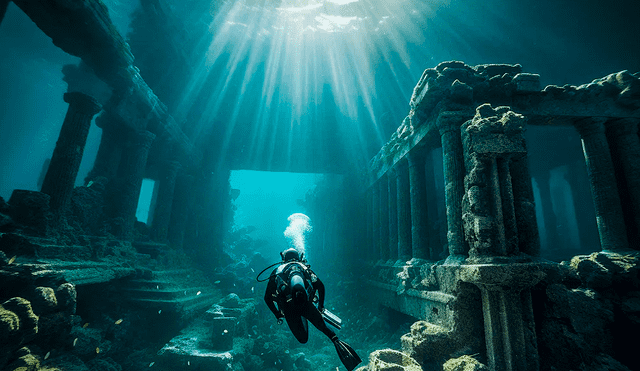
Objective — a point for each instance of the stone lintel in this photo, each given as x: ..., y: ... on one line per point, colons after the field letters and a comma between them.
x: 504, y: 276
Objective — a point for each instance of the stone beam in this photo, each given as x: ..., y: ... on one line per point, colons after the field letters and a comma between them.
x: 84, y: 29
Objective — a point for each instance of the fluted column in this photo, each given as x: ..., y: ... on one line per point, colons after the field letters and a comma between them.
x: 436, y: 245
x: 624, y: 134
x: 384, y: 217
x: 67, y: 155
x: 604, y: 188
x: 449, y: 127
x: 164, y: 202
x: 132, y: 168
x: 110, y: 150
x: 393, y: 215
x: 404, y: 211
x: 183, y: 198
x: 419, y: 206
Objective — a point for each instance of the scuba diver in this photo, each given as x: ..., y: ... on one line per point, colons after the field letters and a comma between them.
x: 290, y: 294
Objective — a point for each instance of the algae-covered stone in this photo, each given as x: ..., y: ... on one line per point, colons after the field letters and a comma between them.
x: 427, y: 342
x: 44, y: 300
x: 392, y: 360
x: 231, y: 301
x: 28, y: 321
x: 464, y: 363
x: 67, y: 296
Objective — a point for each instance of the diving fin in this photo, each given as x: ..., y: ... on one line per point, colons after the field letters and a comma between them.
x: 347, y: 355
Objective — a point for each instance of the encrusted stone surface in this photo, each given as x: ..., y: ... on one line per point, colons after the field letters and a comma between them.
x: 464, y: 363
x: 391, y: 360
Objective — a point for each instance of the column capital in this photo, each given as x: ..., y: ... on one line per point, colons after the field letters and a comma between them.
x: 622, y: 127
x: 590, y: 126
x: 448, y: 121
x: 82, y: 102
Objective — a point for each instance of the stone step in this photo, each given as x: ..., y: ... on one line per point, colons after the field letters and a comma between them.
x: 187, y: 304
x: 170, y: 293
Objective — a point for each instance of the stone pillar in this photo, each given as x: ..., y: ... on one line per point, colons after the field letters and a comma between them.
x: 110, y: 150
x: 604, y: 188
x: 404, y: 212
x: 549, y: 216
x: 490, y: 140
x: 509, y: 325
x: 525, y: 208
x: 131, y: 173
x: 376, y: 227
x: 183, y: 198
x: 419, y: 206
x: 384, y: 217
x: 626, y: 151
x: 66, y: 158
x: 436, y: 244
x: 393, y: 215
x: 448, y: 124
x: 164, y: 202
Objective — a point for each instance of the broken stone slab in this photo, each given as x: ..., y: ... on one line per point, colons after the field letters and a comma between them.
x: 222, y: 332
x: 391, y: 360
x: 464, y: 363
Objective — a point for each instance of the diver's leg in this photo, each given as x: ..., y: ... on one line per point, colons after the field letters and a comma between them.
x: 298, y: 325
x: 313, y: 314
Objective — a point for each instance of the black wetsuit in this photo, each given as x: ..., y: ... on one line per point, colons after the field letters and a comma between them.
x: 297, y: 314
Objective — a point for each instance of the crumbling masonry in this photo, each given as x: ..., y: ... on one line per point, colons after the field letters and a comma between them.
x: 466, y: 265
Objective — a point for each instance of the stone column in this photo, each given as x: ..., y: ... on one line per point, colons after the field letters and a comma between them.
x: 404, y: 212
x: 164, y: 202
x: 436, y: 244
x: 490, y: 140
x: 384, y: 217
x: 604, y: 188
x: 525, y: 208
x: 375, y: 208
x: 66, y: 158
x: 549, y: 217
x: 626, y: 151
x: 183, y: 198
x: 132, y: 168
x: 392, y: 176
x: 448, y: 124
x: 110, y: 150
x: 419, y: 206
x: 509, y: 325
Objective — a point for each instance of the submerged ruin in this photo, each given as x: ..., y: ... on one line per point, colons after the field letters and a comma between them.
x: 450, y: 236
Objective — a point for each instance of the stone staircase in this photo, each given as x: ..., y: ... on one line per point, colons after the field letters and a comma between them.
x: 183, y: 291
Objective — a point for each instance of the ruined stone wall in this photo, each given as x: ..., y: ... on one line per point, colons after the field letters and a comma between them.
x: 493, y: 285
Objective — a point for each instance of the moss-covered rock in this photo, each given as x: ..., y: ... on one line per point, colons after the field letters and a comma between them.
x: 44, y: 300
x: 464, y: 363
x: 392, y: 360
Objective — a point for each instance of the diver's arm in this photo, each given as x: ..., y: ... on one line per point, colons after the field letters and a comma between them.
x: 268, y: 298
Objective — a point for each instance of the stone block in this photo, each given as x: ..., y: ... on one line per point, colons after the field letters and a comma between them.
x: 464, y: 363
x: 222, y: 332
x: 31, y: 209
x: 67, y: 296
x: 527, y: 82
x: 392, y: 360
x: 44, y: 300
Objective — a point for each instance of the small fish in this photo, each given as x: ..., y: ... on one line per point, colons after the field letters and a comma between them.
x: 118, y: 321
x: 97, y: 350
x: 252, y: 270
x: 85, y: 325
x: 75, y: 341
x: 47, y: 355
x: 90, y: 183
x: 217, y: 281
x: 252, y: 289
x: 160, y: 311
x: 185, y: 292
x: 188, y: 363
x: 198, y: 293
x: 12, y: 259
x: 225, y: 331
x: 151, y: 364
x: 157, y: 287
